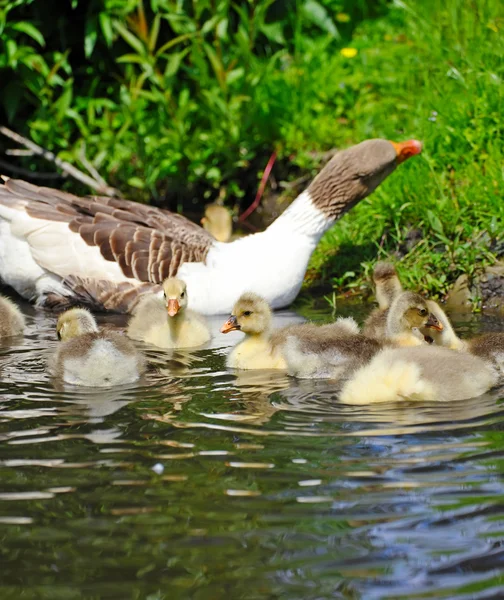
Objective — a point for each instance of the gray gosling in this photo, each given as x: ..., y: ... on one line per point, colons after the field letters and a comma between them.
x: 403, y: 321
x: 12, y: 321
x: 427, y: 373
x: 331, y: 351
x: 87, y: 356
x: 488, y: 346
x: 168, y: 323
x: 338, y: 354
x: 387, y: 284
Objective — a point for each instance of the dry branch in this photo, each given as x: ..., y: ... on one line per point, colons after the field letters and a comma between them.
x: 100, y: 186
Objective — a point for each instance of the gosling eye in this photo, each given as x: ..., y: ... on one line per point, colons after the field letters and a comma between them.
x: 182, y: 294
x: 422, y: 312
x: 247, y: 313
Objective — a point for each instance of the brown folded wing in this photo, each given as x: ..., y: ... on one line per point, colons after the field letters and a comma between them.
x: 148, y: 243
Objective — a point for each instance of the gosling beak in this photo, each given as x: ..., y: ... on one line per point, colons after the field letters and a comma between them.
x: 434, y: 323
x: 230, y: 325
x: 405, y: 150
x: 172, y: 307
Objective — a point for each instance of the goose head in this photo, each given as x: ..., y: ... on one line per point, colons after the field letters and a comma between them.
x: 410, y: 312
x: 354, y: 173
x: 251, y: 314
x: 175, y: 294
x: 218, y: 221
x: 75, y: 322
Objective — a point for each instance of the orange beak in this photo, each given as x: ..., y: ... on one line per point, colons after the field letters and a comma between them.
x: 434, y: 323
x: 230, y: 325
x: 405, y: 150
x: 172, y: 307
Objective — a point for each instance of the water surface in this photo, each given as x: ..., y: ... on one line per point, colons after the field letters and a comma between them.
x: 200, y: 483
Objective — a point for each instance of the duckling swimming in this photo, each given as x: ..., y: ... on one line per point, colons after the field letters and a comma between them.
x: 168, y: 323
x: 89, y: 357
x: 12, y: 321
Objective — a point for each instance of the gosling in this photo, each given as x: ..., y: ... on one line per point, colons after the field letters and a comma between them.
x: 93, y: 358
x: 12, y: 321
x: 168, y: 323
x: 252, y: 315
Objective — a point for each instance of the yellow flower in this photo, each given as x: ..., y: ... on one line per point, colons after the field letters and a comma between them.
x: 342, y: 17
x: 348, y: 52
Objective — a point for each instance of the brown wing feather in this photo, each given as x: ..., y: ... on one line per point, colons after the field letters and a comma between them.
x: 148, y: 243
x: 100, y: 294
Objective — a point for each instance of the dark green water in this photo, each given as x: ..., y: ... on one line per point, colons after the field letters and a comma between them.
x: 269, y: 487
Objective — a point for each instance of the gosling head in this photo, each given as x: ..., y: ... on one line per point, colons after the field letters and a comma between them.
x: 387, y: 284
x: 251, y: 314
x: 175, y: 294
x: 75, y: 322
x: 410, y: 311
x: 218, y: 221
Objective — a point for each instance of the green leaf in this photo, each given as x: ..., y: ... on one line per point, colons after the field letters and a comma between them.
x: 131, y: 58
x: 64, y: 101
x: 174, y: 42
x: 106, y: 27
x: 29, y: 30
x: 136, y: 182
x: 274, y: 32
x: 318, y: 15
x: 154, y: 32
x: 90, y: 37
x: 11, y: 97
x: 129, y: 38
x: 174, y: 61
x: 434, y: 222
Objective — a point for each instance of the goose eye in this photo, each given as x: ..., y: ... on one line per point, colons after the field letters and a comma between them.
x: 182, y: 294
x: 247, y: 313
x: 423, y: 312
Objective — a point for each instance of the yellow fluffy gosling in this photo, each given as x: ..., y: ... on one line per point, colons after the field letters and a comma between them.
x: 252, y: 315
x: 218, y: 221
x: 89, y: 357
x: 168, y: 323
x: 12, y: 321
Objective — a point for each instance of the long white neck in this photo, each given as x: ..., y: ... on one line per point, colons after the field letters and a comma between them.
x: 303, y: 217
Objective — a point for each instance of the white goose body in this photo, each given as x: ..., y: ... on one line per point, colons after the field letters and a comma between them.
x: 272, y: 263
x: 104, y: 252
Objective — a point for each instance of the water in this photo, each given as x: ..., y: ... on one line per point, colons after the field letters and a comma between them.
x: 201, y: 484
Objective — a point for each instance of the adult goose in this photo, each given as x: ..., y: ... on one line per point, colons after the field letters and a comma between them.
x: 58, y: 249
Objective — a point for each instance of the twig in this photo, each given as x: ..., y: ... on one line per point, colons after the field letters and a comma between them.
x: 260, y: 191
x: 65, y: 166
x: 19, y: 152
x: 31, y: 174
x: 90, y: 167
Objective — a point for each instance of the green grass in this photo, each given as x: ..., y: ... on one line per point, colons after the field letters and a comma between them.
x: 433, y: 71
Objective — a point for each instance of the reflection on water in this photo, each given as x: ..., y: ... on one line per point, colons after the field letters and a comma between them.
x: 202, y: 483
